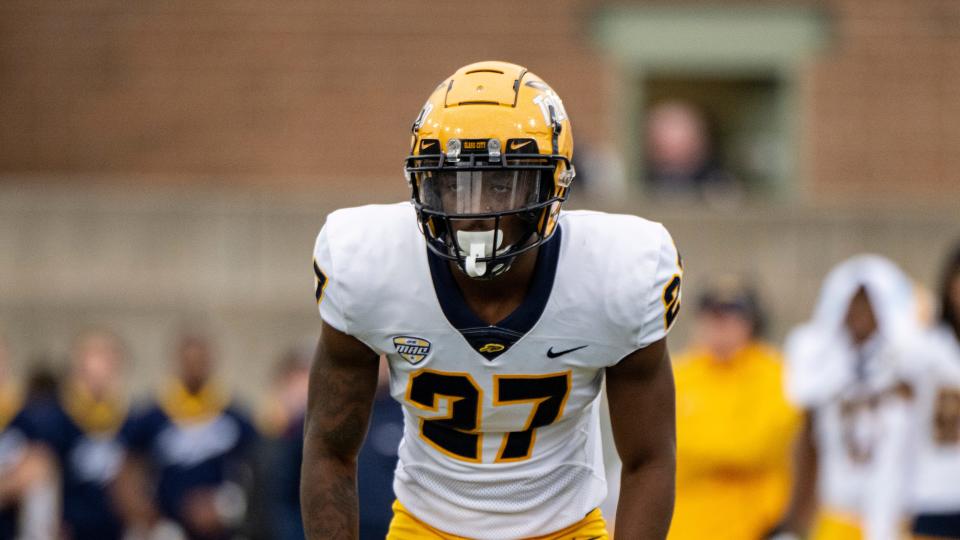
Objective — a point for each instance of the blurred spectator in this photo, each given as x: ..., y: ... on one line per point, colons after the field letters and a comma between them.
x: 195, y: 445
x: 375, y: 464
x: 848, y: 369
x: 79, y: 426
x: 734, y: 425
x: 681, y: 159
x: 43, y: 383
x: 600, y: 175
x: 935, y: 490
x: 28, y: 507
x: 286, y: 398
x: 281, y: 419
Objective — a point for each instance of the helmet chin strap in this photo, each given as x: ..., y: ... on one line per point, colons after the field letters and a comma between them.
x: 479, y: 244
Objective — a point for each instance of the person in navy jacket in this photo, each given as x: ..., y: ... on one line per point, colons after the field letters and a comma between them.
x: 192, y: 446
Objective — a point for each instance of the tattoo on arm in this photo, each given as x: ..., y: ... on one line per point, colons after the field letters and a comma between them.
x: 641, y: 397
x: 343, y: 381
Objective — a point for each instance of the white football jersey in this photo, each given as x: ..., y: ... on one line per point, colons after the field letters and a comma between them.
x: 858, y: 394
x: 861, y: 434
x: 936, y: 480
x: 501, y: 436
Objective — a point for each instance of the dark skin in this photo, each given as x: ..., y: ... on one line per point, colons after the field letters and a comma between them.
x: 860, y: 322
x: 343, y: 382
x: 803, y: 495
x: 954, y: 292
x: 641, y: 397
x: 493, y: 300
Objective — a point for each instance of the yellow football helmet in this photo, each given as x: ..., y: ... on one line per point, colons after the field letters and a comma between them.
x: 491, y: 147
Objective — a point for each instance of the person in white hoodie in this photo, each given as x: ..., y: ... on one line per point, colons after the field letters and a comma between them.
x: 847, y: 368
x: 935, y: 486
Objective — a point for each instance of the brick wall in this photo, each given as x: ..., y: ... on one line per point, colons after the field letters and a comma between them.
x: 302, y: 90
x: 886, y: 100
x: 323, y: 92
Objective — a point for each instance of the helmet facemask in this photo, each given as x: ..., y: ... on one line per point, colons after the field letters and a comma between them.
x: 489, y: 166
x: 481, y: 212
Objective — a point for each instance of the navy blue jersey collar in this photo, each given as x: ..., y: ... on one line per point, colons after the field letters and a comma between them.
x: 493, y: 340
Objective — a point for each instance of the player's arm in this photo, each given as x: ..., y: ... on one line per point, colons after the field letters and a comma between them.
x: 131, y: 493
x: 803, y: 498
x: 641, y: 397
x: 33, y: 486
x: 343, y: 381
x: 35, y: 466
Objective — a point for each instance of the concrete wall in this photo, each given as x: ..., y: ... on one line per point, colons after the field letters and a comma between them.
x: 237, y: 262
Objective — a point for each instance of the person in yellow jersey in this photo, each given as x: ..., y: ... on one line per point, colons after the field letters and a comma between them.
x: 734, y: 425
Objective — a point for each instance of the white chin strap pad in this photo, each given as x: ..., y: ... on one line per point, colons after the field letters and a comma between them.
x: 478, y: 244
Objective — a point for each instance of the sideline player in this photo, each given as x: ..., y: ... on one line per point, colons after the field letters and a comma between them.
x: 500, y: 317
x: 935, y: 490
x: 848, y: 368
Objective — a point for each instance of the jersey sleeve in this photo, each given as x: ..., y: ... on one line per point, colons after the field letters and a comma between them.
x: 327, y: 286
x: 817, y: 365
x: 661, y: 305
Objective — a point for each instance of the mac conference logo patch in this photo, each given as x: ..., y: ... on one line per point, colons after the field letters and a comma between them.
x: 412, y: 349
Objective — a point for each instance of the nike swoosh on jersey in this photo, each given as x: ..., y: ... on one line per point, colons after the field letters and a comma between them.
x: 426, y: 144
x: 551, y: 354
x: 516, y: 145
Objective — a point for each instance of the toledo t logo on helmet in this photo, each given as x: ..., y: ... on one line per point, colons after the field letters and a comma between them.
x: 490, y: 166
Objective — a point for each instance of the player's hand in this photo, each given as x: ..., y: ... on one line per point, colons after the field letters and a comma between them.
x: 200, y: 512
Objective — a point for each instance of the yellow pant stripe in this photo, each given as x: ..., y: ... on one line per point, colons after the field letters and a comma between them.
x: 406, y: 526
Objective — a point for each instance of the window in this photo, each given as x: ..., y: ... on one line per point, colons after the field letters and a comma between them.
x: 735, y: 71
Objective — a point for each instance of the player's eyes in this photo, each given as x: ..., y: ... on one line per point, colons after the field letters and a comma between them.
x: 448, y: 183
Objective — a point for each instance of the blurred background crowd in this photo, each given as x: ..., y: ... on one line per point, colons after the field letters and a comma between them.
x: 165, y: 167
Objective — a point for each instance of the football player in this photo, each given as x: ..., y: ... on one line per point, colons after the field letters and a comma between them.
x: 849, y: 369
x: 935, y: 492
x: 501, y: 317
